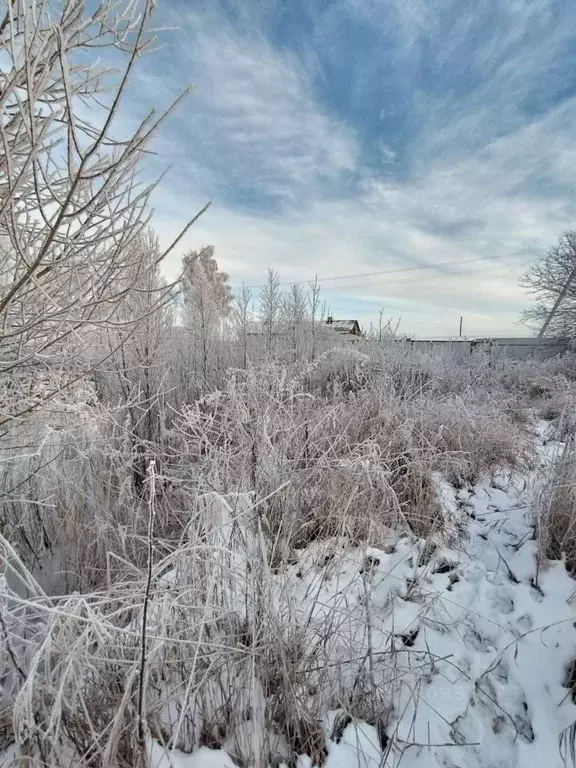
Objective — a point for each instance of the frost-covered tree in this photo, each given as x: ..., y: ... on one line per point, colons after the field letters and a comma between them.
x: 552, y: 282
x: 207, y: 301
x: 316, y: 317
x: 270, y: 307
x: 294, y: 316
x: 242, y: 321
x: 70, y: 205
x: 135, y: 372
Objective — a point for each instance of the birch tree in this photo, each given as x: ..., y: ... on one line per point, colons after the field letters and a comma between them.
x: 294, y: 316
x: 207, y: 301
x: 242, y: 321
x: 270, y: 307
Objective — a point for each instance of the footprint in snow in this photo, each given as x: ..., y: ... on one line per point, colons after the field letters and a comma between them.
x: 501, y: 600
x: 446, y: 762
x: 495, y: 578
x: 500, y: 671
x: 536, y: 595
x: 464, y: 663
x: 504, y: 604
x: 474, y: 574
x: 505, y: 697
x: 525, y: 622
x: 523, y: 724
x: 477, y: 642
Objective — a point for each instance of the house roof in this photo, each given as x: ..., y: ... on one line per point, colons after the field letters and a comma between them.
x: 344, y: 326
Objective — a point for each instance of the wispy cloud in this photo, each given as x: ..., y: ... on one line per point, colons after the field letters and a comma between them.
x: 374, y: 136
x: 252, y: 132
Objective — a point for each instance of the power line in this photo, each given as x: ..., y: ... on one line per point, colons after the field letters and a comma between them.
x: 418, y: 279
x: 389, y: 271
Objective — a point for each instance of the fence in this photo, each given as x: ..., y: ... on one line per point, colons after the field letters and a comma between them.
x: 521, y: 348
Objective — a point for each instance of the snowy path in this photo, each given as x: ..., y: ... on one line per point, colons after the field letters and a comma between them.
x: 512, y: 639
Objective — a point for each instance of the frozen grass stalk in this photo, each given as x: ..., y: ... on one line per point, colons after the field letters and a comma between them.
x: 142, y: 725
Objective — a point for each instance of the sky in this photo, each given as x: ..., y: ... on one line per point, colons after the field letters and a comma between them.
x: 423, y: 151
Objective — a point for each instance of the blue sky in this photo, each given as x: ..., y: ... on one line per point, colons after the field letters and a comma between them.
x: 348, y: 137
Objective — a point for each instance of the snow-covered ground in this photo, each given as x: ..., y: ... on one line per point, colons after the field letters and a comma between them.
x: 465, y: 650
x: 453, y: 652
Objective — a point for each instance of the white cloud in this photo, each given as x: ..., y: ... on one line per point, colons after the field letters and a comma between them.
x: 478, y: 207
x: 482, y: 179
x: 251, y: 123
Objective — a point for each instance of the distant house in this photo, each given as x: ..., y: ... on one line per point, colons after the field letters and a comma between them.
x: 345, y: 327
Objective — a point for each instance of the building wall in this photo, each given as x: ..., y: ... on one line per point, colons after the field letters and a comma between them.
x: 520, y: 348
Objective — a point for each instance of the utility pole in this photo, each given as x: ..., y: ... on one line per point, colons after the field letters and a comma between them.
x: 561, y: 295
x: 460, y: 334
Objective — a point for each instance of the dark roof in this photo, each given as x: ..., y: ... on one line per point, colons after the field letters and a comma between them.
x: 344, y: 326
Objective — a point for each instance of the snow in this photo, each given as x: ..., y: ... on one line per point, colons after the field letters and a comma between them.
x: 359, y: 746
x: 10, y: 757
x: 470, y: 645
x: 201, y: 758
x: 466, y: 643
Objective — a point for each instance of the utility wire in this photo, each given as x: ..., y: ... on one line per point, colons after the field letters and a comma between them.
x: 418, y: 279
x: 391, y: 271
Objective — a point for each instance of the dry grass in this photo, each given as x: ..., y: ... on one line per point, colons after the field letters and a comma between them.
x: 333, y: 457
x: 352, y: 447
x: 556, y: 509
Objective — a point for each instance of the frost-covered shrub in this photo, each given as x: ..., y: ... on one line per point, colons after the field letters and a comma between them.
x: 413, y: 371
x: 341, y: 449
x: 69, y: 503
x: 564, y: 365
x: 556, y: 508
x: 478, y: 432
x: 327, y: 462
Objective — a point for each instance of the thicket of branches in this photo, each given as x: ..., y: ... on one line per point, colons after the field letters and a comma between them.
x: 551, y: 281
x: 169, y: 451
